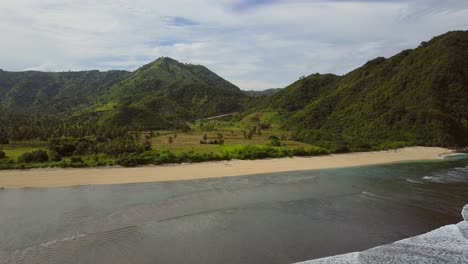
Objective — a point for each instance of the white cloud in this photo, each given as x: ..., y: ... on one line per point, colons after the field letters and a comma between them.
x: 253, y: 46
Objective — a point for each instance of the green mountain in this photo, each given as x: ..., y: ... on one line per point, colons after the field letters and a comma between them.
x: 161, y: 94
x: 166, y: 92
x: 417, y: 97
x: 299, y: 94
x: 53, y: 92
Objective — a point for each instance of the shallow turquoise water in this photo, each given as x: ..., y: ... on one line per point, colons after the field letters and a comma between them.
x: 270, y: 218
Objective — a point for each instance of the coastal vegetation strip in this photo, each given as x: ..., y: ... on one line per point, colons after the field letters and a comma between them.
x: 114, y: 175
x: 153, y: 147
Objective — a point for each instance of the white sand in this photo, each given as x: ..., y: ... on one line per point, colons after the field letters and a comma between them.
x: 117, y: 175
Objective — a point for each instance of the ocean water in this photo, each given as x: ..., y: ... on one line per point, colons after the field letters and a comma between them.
x: 269, y: 218
x: 448, y: 244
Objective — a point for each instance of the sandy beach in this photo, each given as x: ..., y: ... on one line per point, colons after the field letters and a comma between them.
x: 118, y: 175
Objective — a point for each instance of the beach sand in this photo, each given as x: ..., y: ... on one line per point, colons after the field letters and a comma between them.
x: 118, y: 175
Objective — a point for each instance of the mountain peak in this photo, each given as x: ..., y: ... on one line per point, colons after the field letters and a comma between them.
x: 166, y: 60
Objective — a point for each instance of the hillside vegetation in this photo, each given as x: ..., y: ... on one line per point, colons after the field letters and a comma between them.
x: 168, y: 112
x: 417, y: 97
x: 166, y: 93
x: 31, y: 92
x: 162, y: 94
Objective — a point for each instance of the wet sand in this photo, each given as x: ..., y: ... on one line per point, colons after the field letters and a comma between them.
x: 118, y: 175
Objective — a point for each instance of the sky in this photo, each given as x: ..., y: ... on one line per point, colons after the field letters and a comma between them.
x: 255, y: 44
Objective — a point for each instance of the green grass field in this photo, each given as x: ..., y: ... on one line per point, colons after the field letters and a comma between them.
x: 16, y: 149
x: 191, y: 141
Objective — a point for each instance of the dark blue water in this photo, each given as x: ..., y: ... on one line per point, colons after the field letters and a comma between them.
x: 271, y: 218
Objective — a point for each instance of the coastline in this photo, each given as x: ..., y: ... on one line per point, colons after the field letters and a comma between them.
x: 446, y: 244
x: 117, y: 175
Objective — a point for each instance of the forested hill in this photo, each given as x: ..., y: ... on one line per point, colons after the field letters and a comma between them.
x: 417, y: 97
x: 53, y: 92
x: 158, y: 95
x: 166, y: 92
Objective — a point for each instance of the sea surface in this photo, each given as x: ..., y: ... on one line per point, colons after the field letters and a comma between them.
x: 268, y: 218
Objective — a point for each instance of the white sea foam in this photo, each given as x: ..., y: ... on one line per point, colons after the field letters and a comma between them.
x: 351, y: 258
x: 448, y: 244
x: 455, y: 155
x: 39, y: 250
x: 413, y: 181
x: 465, y: 212
x: 374, y: 196
x: 454, y: 175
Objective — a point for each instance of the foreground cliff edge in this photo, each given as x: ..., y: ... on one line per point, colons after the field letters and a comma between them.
x: 448, y: 244
x: 117, y: 175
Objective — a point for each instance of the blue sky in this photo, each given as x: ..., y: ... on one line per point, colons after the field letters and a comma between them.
x: 255, y: 44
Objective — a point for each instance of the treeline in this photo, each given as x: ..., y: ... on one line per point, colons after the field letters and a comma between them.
x: 243, y: 152
x: 79, y: 152
x: 337, y: 143
x: 16, y: 128
x: 93, y: 145
x: 130, y: 153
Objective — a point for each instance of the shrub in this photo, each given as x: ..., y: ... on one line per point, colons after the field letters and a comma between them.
x: 393, y: 145
x: 55, y: 156
x: 40, y: 156
x: 118, y: 147
x: 315, y: 151
x: 274, y: 141
x: 2, y: 154
x: 166, y: 157
x: 133, y: 159
x: 257, y: 152
x: 64, y: 146
x: 147, y: 146
x: 301, y: 152
x: 76, y: 159
x: 35, y: 156
x: 25, y: 157
x: 85, y: 146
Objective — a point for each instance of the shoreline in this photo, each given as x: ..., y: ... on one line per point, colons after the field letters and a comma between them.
x: 447, y: 239
x: 68, y: 177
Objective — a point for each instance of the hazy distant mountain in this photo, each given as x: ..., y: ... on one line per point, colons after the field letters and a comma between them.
x: 417, y: 97
x: 253, y: 93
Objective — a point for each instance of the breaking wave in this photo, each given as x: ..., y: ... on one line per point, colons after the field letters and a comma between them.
x: 413, y: 181
x: 448, y: 244
x: 454, y: 175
